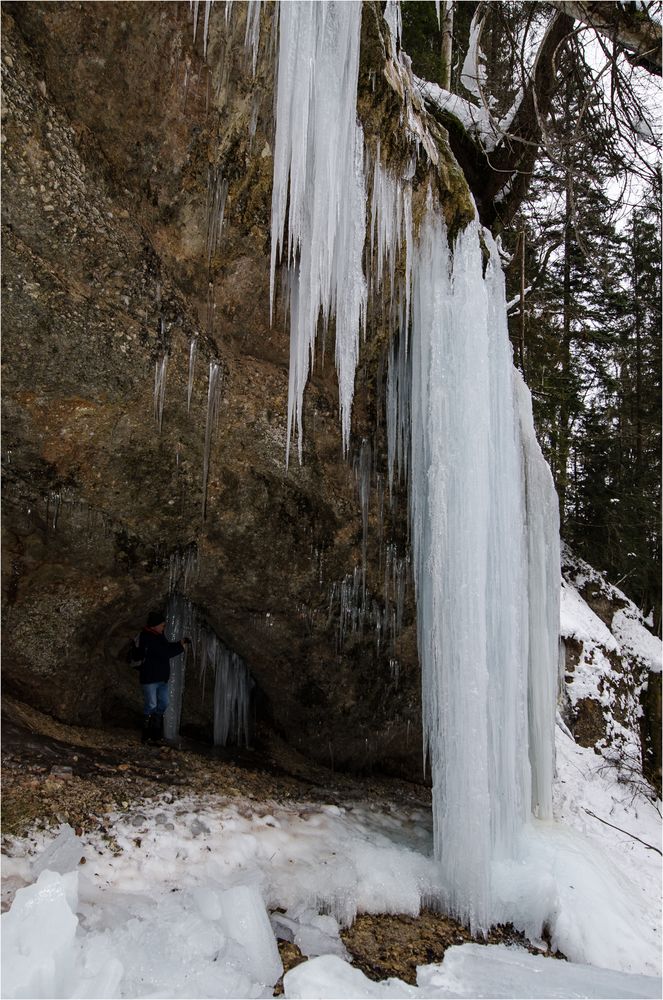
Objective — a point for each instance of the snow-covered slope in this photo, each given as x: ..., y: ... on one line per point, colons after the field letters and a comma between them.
x: 610, y: 659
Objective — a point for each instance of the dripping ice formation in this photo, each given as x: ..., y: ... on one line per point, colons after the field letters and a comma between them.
x: 211, y: 420
x: 233, y: 684
x: 482, y: 503
x: 319, y: 178
x: 232, y: 695
x: 160, y: 369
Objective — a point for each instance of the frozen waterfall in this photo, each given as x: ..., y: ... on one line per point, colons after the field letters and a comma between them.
x: 486, y: 557
x: 483, y: 511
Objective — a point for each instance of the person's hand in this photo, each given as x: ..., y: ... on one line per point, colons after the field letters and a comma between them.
x: 186, y: 641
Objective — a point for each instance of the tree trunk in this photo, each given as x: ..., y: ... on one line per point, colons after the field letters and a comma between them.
x: 522, y: 302
x: 447, y: 41
x: 564, y: 406
x: 638, y: 356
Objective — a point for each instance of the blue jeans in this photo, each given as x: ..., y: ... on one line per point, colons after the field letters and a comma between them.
x: 155, y: 698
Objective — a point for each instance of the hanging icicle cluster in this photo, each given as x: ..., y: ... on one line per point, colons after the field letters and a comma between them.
x: 233, y: 684
x: 319, y: 196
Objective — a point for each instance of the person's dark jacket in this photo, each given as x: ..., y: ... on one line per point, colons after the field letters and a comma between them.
x: 156, y: 653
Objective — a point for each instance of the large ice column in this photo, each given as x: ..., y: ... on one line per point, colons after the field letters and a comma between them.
x: 482, y: 559
x: 449, y: 509
x: 319, y: 188
x: 543, y: 568
x: 507, y: 580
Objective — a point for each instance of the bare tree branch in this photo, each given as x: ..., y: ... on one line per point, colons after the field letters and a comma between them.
x: 649, y: 847
x: 497, y: 156
x: 517, y: 154
x: 630, y: 27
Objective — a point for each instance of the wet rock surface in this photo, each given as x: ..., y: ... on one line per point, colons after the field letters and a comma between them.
x: 386, y: 945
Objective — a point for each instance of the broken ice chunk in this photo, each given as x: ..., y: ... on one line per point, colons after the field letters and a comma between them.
x: 62, y: 855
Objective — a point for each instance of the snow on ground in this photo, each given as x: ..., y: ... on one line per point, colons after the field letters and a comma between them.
x: 183, y: 909
x: 469, y: 970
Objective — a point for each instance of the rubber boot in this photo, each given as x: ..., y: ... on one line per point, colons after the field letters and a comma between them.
x: 147, y: 729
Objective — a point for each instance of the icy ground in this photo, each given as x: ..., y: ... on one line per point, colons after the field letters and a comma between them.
x: 184, y: 909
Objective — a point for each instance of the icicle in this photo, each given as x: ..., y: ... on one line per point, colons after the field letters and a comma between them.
x: 253, y: 121
x: 318, y: 174
x: 398, y: 410
x: 482, y: 523
x: 543, y: 562
x: 363, y: 475
x: 380, y: 492
x: 183, y: 569
x: 232, y: 696
x: 217, y: 192
x: 211, y: 308
x: 193, y: 351
x: 208, y: 8
x: 186, y: 86
x: 400, y: 585
x: 213, y: 399
x: 56, y: 498
x: 233, y: 683
x: 392, y: 15
x: 447, y: 495
x: 160, y: 369
x: 541, y: 586
x: 195, y: 5
x: 252, y: 33
x: 391, y: 223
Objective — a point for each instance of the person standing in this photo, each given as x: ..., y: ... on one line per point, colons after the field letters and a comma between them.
x: 153, y: 653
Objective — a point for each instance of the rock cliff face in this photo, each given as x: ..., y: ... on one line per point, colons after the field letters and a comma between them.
x: 121, y: 141
x: 118, y: 137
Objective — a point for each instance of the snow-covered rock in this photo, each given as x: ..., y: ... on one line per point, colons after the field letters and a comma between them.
x: 612, y: 670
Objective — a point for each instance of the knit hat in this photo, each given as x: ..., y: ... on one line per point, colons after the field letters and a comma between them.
x: 155, y: 618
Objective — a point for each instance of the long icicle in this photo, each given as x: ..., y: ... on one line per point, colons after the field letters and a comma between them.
x: 319, y: 176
